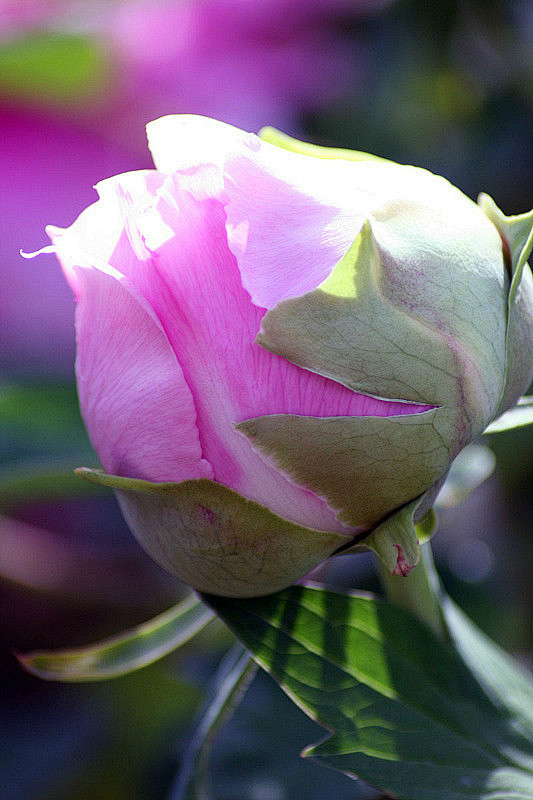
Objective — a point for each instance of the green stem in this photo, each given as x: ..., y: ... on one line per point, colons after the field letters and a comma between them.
x: 420, y: 592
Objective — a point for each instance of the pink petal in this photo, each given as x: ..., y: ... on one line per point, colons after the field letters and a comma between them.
x: 95, y: 235
x: 290, y: 217
x: 136, y: 404
x: 190, y: 277
x: 286, y: 240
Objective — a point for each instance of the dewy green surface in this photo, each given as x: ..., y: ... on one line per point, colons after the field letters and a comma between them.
x: 404, y: 711
x: 216, y: 540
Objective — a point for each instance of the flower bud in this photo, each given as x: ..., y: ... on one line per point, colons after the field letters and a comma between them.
x: 281, y: 348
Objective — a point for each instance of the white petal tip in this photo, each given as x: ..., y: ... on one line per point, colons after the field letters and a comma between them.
x: 48, y: 249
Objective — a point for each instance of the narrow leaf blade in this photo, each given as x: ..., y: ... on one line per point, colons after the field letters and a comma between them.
x: 474, y: 464
x: 508, y: 685
x: 229, y: 684
x: 124, y: 653
x: 517, y: 417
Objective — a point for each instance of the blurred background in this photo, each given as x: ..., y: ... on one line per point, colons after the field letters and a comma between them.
x: 447, y: 86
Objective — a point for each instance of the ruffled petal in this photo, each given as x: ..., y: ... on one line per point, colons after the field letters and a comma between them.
x: 191, y: 279
x: 95, y: 235
x: 181, y: 141
x: 136, y: 404
x: 291, y: 216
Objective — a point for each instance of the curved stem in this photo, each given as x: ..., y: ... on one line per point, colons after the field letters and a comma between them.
x: 420, y: 592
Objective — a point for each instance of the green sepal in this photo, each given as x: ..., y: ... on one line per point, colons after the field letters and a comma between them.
x: 364, y: 328
x: 215, y: 539
x: 517, y: 234
x: 285, y: 142
x: 395, y: 541
x: 361, y: 470
x: 348, y: 331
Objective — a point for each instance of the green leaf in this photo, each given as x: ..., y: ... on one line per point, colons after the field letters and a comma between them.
x: 507, y: 684
x: 273, y: 136
x: 124, y: 653
x: 517, y: 417
x: 54, y: 69
x: 256, y: 753
x: 403, y: 710
x: 215, y: 539
x: 228, y: 686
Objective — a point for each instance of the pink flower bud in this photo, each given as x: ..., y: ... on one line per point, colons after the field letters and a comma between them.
x: 320, y: 336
